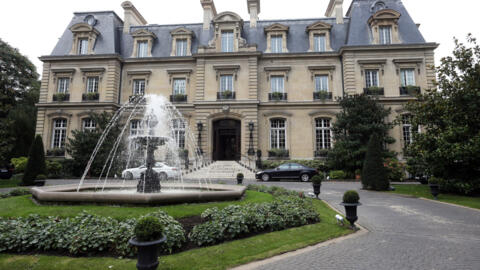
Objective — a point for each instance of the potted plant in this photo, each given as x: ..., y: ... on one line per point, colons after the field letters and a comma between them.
x: 227, y: 94
x: 180, y: 97
x: 317, y: 183
x: 148, y: 235
x: 350, y: 201
x: 358, y: 174
x: 433, y: 183
x: 40, y: 180
x: 277, y: 96
x: 239, y: 178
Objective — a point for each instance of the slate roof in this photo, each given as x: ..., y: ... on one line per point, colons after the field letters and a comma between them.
x: 354, y: 32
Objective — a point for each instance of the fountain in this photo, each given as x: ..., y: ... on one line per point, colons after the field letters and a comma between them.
x: 155, y: 137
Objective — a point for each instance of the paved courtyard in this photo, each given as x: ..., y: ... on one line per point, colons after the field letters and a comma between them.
x: 404, y: 233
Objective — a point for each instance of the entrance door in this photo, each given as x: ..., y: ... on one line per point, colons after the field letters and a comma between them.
x: 226, y: 139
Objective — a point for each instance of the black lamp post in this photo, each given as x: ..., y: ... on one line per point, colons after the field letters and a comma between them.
x: 200, y: 128
x: 251, y: 126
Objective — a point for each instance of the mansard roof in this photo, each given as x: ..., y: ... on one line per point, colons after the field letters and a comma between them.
x: 355, y: 31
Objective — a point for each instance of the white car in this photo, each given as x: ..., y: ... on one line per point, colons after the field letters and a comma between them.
x: 163, y: 170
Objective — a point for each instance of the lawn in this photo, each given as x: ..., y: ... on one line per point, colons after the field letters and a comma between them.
x: 9, y: 183
x: 24, y: 206
x: 220, y: 256
x: 424, y: 192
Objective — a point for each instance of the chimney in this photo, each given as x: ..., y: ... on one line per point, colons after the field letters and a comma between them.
x: 335, y: 7
x: 131, y: 17
x: 253, y: 10
x: 209, y: 12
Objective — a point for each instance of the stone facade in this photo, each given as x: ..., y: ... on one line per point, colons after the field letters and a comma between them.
x: 296, y: 58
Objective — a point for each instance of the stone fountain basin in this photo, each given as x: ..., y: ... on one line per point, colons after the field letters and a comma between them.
x: 205, y: 193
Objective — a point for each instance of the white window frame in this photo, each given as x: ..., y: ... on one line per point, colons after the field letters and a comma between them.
x: 181, y: 47
x: 63, y: 85
x: 59, y: 132
x: 407, y: 77
x: 277, y: 84
x: 142, y: 48
x: 92, y: 84
x: 407, y: 130
x: 227, y: 40
x: 136, y: 127
x: 276, y: 43
x: 321, y: 83
x: 385, y: 34
x: 275, y: 133
x: 226, y: 83
x: 371, y: 78
x: 178, y: 128
x: 319, y: 42
x: 89, y: 124
x: 139, y: 86
x: 323, y: 133
x: 179, y: 86
x: 82, y: 46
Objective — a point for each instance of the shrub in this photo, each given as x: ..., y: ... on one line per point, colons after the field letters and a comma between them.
x: 395, y: 170
x: 235, y: 221
x: 41, y: 177
x: 54, y: 168
x: 36, y: 162
x: 374, y: 174
x: 148, y: 229
x: 337, y: 175
x: 240, y: 175
x: 16, y: 192
x: 351, y: 196
x: 434, y: 180
x: 276, y: 152
x: 20, y: 164
x: 317, y: 179
x: 273, y: 190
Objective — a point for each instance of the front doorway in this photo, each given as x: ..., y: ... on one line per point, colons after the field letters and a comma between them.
x: 226, y: 139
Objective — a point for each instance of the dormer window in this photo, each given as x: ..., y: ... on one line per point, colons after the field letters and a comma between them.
x: 143, y: 43
x: 319, y: 36
x: 84, y: 38
x: 181, y: 42
x: 384, y: 27
x: 227, y: 41
x: 276, y: 38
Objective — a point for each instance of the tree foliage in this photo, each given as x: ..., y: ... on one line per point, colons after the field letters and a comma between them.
x: 82, y: 143
x: 374, y: 174
x: 18, y: 93
x: 36, y: 162
x: 361, y: 116
x: 448, y: 145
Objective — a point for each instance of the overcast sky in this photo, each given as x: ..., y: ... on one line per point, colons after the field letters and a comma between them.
x: 34, y: 26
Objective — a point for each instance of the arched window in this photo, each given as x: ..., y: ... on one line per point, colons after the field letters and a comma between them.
x: 178, y: 127
x: 88, y: 124
x: 407, y: 129
x: 323, y: 134
x: 59, y: 132
x: 278, y: 133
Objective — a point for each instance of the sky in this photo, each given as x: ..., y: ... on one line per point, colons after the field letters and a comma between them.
x: 34, y: 26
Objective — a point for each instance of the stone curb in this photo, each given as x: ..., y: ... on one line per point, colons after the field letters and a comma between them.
x: 288, y: 254
x: 452, y: 204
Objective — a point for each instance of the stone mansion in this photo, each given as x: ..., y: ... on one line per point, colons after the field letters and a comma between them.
x: 268, y: 85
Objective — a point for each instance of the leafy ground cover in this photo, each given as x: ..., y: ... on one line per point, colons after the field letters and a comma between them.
x: 424, y: 192
x: 9, y: 183
x: 220, y: 256
x: 22, y: 206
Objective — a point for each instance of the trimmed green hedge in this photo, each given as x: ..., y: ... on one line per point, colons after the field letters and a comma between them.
x: 337, y: 175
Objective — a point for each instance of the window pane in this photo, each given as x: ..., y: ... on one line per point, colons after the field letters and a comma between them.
x: 82, y: 46
x: 323, y: 134
x: 227, y: 41
x: 407, y: 129
x: 139, y: 87
x: 277, y: 134
x: 371, y: 78
x: 142, y: 49
x: 321, y: 83
x: 276, y: 84
x: 63, y: 84
x: 385, y: 35
x: 59, y: 133
x: 89, y: 124
x: 276, y: 43
x: 319, y: 43
x: 181, y: 47
x: 179, y: 132
x: 92, y: 84
x: 226, y: 83
x: 407, y: 77
x: 179, y: 86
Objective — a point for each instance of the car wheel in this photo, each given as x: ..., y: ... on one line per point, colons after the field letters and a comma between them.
x: 129, y: 176
x: 304, y: 177
x: 163, y: 176
x: 265, y: 177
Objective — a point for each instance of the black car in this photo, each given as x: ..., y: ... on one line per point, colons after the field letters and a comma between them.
x: 287, y: 171
x: 6, y: 171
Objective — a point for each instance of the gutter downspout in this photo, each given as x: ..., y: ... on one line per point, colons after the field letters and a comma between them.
x: 343, y: 78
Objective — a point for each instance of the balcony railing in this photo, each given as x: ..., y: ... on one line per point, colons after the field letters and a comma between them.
x: 374, y: 91
x: 322, y: 95
x: 136, y: 98
x: 60, y: 97
x: 225, y: 95
x: 178, y: 98
x: 276, y: 96
x: 90, y: 96
x: 409, y: 90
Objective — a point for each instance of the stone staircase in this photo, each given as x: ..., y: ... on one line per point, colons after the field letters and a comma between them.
x: 221, y: 170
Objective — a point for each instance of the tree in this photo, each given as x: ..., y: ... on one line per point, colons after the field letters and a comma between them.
x: 36, y: 162
x: 361, y: 116
x: 82, y: 143
x: 18, y: 85
x: 374, y: 173
x: 449, y: 141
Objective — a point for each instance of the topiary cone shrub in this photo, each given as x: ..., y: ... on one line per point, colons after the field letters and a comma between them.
x: 374, y: 174
x: 317, y: 183
x: 350, y: 202
x: 36, y: 162
x: 351, y: 196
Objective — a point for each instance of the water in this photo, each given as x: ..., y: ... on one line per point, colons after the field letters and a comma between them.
x: 158, y: 119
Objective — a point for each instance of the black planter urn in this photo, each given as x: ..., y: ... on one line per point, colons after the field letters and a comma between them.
x: 316, y: 189
x: 147, y: 253
x: 435, y: 190
x: 351, y: 212
x: 239, y: 179
x: 39, y: 183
